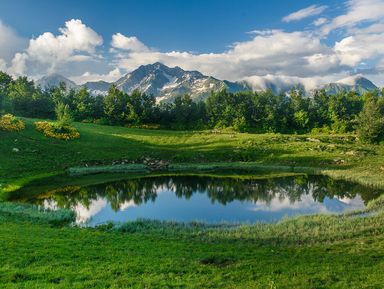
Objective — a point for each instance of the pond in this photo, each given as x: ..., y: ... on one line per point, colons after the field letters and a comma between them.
x: 206, y: 199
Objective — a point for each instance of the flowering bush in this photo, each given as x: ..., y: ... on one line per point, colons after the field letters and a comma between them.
x: 50, y: 130
x: 8, y: 122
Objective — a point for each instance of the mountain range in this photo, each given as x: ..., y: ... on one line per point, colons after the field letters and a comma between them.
x: 165, y: 83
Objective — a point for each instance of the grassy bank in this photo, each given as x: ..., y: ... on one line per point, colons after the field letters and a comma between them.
x: 314, y: 252
x: 340, y: 156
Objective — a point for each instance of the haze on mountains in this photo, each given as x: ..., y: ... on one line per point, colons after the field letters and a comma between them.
x: 165, y: 83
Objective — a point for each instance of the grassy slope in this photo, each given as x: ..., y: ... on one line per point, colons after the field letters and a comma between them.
x: 40, y: 156
x: 316, y: 252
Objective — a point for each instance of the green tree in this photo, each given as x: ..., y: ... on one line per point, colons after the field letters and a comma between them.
x: 370, y: 124
x: 63, y: 116
x: 21, y: 93
x: 83, y: 104
x: 117, y: 108
x: 5, y: 82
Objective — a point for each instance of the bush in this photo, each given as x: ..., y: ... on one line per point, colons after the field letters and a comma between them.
x: 9, y: 122
x: 57, y: 131
x: 63, y: 115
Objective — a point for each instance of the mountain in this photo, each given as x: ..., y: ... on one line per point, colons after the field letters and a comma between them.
x: 356, y: 82
x: 54, y: 80
x: 166, y: 83
x: 98, y: 87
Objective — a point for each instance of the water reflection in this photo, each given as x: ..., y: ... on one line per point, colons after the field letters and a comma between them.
x: 208, y: 199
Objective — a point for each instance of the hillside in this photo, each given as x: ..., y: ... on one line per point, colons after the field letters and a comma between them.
x: 39, y: 156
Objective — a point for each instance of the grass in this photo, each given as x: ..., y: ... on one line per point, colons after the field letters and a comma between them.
x: 39, y: 249
x: 295, y: 253
x: 339, y: 156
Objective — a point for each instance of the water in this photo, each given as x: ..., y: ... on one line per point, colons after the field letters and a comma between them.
x: 207, y: 199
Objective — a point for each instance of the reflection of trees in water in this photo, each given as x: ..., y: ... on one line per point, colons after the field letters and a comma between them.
x: 222, y: 190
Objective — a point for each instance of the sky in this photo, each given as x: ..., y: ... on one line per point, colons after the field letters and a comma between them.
x: 310, y: 41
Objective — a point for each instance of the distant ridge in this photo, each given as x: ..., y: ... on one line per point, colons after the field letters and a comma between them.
x: 165, y: 83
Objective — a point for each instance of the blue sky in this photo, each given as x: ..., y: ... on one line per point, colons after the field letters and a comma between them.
x: 90, y: 40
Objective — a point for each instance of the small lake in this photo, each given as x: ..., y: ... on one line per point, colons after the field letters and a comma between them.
x: 207, y: 199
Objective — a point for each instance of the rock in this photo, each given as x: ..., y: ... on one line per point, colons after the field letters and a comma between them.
x: 15, y: 150
x: 338, y: 161
x: 154, y: 164
x: 313, y: 139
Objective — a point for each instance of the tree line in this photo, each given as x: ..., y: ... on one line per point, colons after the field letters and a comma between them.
x: 260, y: 112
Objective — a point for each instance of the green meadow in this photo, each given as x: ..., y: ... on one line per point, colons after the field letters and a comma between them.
x: 41, y: 249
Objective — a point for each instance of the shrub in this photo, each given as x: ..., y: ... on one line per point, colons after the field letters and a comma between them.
x: 8, y: 122
x: 57, y: 131
x: 63, y: 115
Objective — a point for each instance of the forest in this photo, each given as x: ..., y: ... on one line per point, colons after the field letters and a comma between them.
x: 247, y: 111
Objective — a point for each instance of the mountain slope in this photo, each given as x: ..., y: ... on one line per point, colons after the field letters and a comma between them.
x: 55, y: 79
x: 356, y: 82
x: 98, y: 87
x: 166, y: 83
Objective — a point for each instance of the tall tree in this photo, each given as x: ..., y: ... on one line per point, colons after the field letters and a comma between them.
x: 5, y: 83
x: 370, y: 124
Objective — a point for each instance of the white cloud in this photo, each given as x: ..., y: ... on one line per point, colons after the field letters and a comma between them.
x: 3, y: 65
x: 320, y: 21
x: 85, y: 213
x: 133, y: 44
x: 111, y: 76
x: 77, y: 42
x: 19, y: 65
x: 283, y: 82
x: 308, y: 55
x: 268, y: 52
x: 353, y: 50
x: 358, y: 11
x: 305, y: 13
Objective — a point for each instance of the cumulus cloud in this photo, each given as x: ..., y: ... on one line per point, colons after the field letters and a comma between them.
x: 286, y: 56
x: 87, y: 76
x: 300, y: 54
x: 128, y: 43
x: 76, y: 42
x: 305, y: 13
x: 352, y: 50
x: 268, y: 52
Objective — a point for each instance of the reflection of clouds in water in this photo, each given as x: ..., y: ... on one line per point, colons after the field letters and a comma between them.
x: 277, y: 197
x: 308, y: 203
x: 355, y: 202
x: 280, y: 202
x: 126, y: 205
x: 83, y: 213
